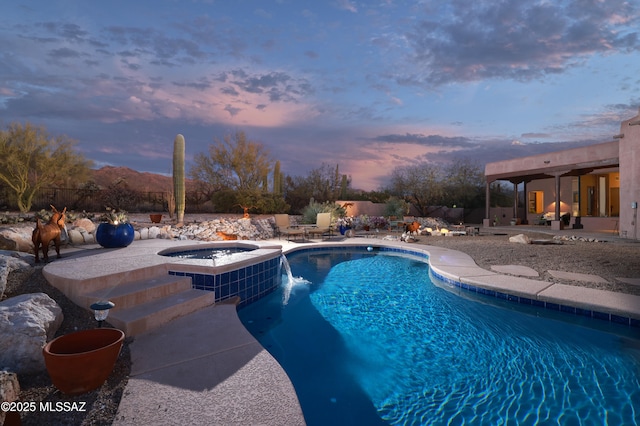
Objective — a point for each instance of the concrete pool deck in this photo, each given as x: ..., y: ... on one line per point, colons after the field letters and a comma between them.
x: 205, y: 367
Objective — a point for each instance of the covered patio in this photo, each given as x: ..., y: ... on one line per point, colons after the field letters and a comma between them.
x: 553, y: 185
x: 596, y: 186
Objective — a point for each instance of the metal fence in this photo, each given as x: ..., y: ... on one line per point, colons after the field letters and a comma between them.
x: 97, y: 200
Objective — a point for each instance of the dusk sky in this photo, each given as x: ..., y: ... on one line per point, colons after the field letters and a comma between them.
x: 368, y: 85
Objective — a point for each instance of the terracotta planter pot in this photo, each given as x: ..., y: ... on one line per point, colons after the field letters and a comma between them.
x: 81, y: 362
x: 155, y: 218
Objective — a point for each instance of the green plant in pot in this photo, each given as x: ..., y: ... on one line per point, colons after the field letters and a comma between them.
x: 115, y: 230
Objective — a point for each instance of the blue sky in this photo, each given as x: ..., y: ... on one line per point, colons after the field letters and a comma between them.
x: 368, y: 85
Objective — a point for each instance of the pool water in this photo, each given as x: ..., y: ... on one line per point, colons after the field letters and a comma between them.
x: 207, y: 253
x: 373, y: 341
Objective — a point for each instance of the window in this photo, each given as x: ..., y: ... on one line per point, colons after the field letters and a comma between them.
x: 536, y: 199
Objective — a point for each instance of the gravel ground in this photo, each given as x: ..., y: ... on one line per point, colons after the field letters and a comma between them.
x: 609, y: 260
x: 102, y: 403
x: 612, y: 259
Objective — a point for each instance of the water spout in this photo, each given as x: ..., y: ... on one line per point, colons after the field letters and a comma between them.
x: 291, y: 281
x: 287, y: 268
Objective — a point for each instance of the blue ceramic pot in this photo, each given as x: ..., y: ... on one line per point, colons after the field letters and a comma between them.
x: 113, y: 236
x: 343, y: 229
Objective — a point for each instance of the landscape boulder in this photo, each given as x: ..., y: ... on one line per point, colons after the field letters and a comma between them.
x: 7, y: 264
x: 27, y: 323
x: 9, y: 391
x: 520, y: 238
x: 85, y: 224
x: 154, y: 232
x: 16, y: 239
x: 75, y: 236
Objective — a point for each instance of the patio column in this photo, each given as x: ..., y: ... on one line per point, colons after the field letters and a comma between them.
x: 515, y: 200
x: 525, y: 219
x: 487, y: 210
x: 557, y: 212
x: 556, y: 224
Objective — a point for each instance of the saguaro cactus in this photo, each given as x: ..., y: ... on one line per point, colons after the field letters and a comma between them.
x: 178, y: 176
x: 277, y: 179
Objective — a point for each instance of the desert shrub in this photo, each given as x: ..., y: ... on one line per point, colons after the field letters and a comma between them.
x: 310, y: 212
x: 120, y: 196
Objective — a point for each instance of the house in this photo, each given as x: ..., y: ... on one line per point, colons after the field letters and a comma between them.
x: 595, y: 187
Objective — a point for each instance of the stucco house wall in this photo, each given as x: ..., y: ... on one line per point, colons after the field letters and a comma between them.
x: 618, y: 161
x: 548, y: 187
x: 629, y: 140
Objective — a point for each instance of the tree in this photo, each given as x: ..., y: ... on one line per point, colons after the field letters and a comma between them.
x: 234, y: 163
x: 236, y: 172
x: 326, y: 183
x: 120, y: 196
x: 420, y: 184
x: 31, y: 159
x: 465, y: 184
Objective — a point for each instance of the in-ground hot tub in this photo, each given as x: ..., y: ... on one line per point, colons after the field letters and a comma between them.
x: 247, y: 270
x: 212, y: 253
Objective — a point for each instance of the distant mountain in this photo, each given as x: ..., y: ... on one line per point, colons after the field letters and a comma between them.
x: 139, y: 181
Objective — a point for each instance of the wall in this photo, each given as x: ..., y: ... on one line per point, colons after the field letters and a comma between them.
x: 548, y: 186
x: 250, y: 282
x: 594, y: 223
x: 357, y: 208
x: 629, y: 177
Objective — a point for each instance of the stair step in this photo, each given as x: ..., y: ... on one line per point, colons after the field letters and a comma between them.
x: 146, y: 316
x: 129, y: 294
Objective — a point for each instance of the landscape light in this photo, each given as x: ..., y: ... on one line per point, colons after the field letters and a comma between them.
x: 101, y: 310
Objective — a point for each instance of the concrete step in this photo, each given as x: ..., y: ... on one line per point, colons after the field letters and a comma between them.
x: 147, y: 316
x: 129, y: 294
x: 76, y: 285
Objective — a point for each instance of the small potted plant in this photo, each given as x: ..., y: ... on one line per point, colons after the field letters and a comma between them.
x: 379, y: 222
x: 115, y: 230
x: 364, y: 222
x: 344, y: 223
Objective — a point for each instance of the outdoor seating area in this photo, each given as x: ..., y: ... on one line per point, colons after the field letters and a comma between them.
x: 327, y: 225
x: 321, y: 227
x: 284, y: 227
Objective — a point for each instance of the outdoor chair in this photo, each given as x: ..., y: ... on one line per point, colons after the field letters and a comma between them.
x: 284, y: 227
x: 322, y: 226
x: 395, y: 224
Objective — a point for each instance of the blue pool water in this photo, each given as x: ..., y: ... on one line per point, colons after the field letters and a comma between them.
x: 373, y: 341
x: 206, y: 253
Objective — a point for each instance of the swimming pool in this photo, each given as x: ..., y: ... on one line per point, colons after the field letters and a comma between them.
x: 373, y: 341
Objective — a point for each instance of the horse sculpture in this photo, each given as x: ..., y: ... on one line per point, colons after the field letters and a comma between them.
x: 43, y: 235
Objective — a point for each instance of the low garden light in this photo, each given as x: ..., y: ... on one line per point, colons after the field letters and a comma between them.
x: 101, y: 310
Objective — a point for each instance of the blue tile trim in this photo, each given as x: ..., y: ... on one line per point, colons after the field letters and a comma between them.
x: 572, y: 310
x: 364, y: 248
x: 250, y: 283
